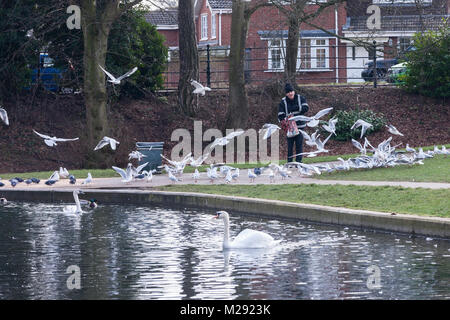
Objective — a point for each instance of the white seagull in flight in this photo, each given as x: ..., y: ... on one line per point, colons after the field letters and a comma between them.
x: 393, y: 130
x: 314, y: 120
x: 127, y: 176
x: 137, y: 155
x: 115, y: 80
x: 269, y: 129
x: 4, y: 116
x: 105, y: 141
x: 363, y: 124
x: 223, y: 141
x: 51, y: 141
x: 199, y: 88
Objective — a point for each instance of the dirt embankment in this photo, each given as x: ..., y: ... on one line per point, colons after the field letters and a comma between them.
x: 423, y: 121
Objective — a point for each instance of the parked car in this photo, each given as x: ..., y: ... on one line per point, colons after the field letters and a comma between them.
x: 396, y: 71
x: 382, y: 67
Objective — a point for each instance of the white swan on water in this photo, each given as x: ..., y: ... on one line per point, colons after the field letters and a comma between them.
x: 77, y: 207
x: 247, y: 238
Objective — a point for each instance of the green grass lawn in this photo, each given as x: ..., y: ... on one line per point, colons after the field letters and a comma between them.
x: 424, y: 202
x: 79, y: 174
x: 436, y: 169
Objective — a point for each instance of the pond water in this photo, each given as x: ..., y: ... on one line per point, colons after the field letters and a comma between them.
x: 134, y: 252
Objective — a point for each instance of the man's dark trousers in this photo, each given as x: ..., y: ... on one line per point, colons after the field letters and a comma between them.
x: 298, y: 140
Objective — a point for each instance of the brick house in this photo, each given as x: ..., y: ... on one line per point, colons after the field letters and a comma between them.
x: 399, y: 21
x: 322, y: 57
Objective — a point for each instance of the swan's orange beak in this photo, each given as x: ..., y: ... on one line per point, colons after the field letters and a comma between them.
x: 216, y: 216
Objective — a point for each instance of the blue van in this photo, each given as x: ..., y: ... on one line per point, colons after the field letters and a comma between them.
x: 48, y: 75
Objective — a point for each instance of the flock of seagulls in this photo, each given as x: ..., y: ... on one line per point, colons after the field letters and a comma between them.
x: 384, y: 155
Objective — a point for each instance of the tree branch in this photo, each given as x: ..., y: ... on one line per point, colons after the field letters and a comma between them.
x: 129, y: 5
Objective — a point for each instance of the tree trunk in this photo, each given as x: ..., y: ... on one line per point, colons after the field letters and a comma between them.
x: 188, y: 57
x: 95, y: 40
x: 290, y: 66
x: 237, y: 114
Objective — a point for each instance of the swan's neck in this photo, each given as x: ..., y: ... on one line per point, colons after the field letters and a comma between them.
x: 77, y: 202
x: 226, y: 235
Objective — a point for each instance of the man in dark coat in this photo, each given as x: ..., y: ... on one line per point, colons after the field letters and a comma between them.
x: 293, y: 104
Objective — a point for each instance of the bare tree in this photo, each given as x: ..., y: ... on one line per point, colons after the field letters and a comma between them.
x: 188, y: 56
x: 296, y: 14
x: 237, y: 113
x: 97, y: 19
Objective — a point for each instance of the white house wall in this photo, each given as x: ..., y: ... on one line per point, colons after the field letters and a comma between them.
x: 355, y: 67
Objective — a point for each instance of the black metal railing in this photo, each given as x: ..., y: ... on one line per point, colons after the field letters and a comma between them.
x: 214, y: 67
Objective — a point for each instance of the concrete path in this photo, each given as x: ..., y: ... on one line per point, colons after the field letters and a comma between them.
x: 162, y: 179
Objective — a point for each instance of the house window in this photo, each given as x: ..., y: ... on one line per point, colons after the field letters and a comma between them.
x: 321, y: 57
x: 213, y: 26
x: 275, y: 55
x: 204, y: 27
x: 403, y: 44
x: 313, y: 54
x: 305, y: 54
x: 353, y: 53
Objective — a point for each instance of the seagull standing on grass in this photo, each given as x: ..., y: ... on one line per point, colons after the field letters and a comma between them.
x: 115, y: 80
x: 229, y: 177
x: 196, y: 175
x: 409, y: 149
x: 251, y: 175
x: 63, y: 173
x: 4, y: 116
x: 211, y: 173
x: 173, y: 178
x: 51, y: 141
x: 107, y: 140
x: 199, y: 88
x: 235, y: 175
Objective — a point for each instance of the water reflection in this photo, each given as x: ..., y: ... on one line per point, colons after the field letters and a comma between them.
x: 132, y: 252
